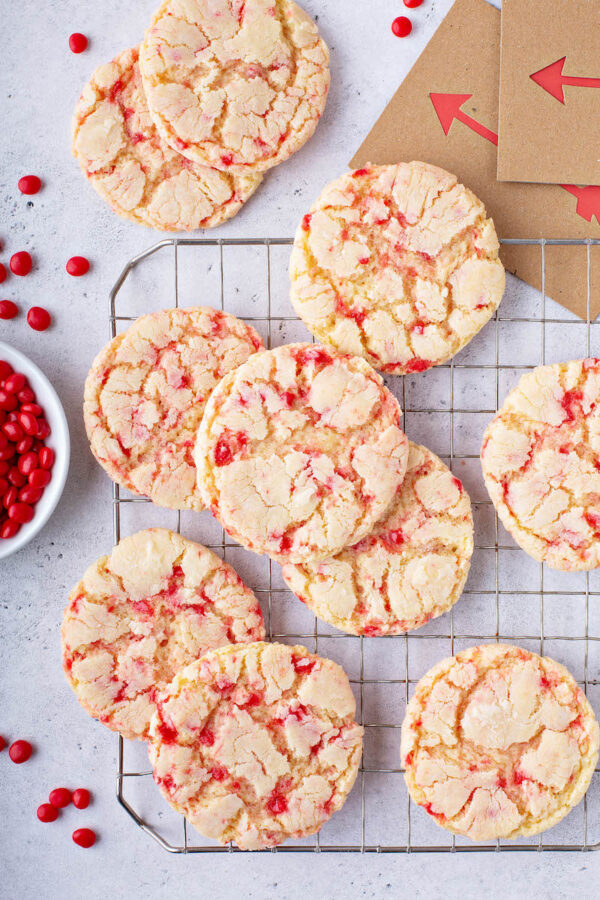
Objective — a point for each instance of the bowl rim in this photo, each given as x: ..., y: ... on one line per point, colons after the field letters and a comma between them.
x: 61, y: 441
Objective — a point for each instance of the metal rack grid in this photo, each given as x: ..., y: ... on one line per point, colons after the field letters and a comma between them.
x: 408, y: 828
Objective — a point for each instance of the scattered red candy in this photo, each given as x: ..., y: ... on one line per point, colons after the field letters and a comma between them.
x: 81, y: 798
x: 2, y: 743
x: 29, y: 184
x: 8, y: 309
x: 412, y: 4
x: 20, y: 263
x: 20, y: 751
x: 47, y: 813
x: 78, y: 265
x: 78, y: 42
x: 402, y: 26
x: 2, y: 273
x: 60, y: 797
x: 38, y: 318
x: 84, y: 837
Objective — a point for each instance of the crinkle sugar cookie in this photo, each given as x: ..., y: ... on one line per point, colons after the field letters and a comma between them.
x: 235, y: 84
x: 300, y: 452
x: 398, y: 264
x: 541, y: 464
x: 498, y: 742
x: 138, y: 174
x: 157, y: 603
x: 146, y: 392
x: 257, y: 743
x: 411, y: 568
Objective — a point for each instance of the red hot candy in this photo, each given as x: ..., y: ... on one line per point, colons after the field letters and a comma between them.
x: 8, y: 309
x: 412, y: 4
x: 20, y: 751
x: 78, y: 265
x: 38, y: 318
x: 402, y: 26
x: 47, y: 813
x: 84, y: 837
x: 29, y: 184
x: 2, y: 273
x: 20, y: 263
x: 60, y: 797
x: 78, y: 42
x: 81, y: 798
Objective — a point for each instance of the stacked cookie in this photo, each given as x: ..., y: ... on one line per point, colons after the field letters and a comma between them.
x: 176, y: 134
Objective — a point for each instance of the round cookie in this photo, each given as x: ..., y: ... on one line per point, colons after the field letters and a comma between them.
x: 300, y: 452
x: 256, y: 743
x: 541, y: 464
x: 398, y: 264
x: 138, y: 174
x: 498, y: 742
x: 235, y: 84
x: 411, y: 568
x: 157, y: 603
x: 146, y: 392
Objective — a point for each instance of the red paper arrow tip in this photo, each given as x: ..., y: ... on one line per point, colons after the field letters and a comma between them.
x: 551, y: 79
x: 588, y: 200
x: 447, y: 107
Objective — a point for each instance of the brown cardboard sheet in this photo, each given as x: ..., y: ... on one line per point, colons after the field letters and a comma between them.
x: 550, y: 92
x: 459, y: 133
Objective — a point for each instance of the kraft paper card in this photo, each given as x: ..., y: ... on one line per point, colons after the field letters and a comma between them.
x: 550, y: 91
x: 446, y: 112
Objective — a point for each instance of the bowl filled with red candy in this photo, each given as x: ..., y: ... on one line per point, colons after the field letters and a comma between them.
x: 34, y: 450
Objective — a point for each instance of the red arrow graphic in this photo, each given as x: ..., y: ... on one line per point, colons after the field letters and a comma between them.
x: 588, y: 200
x: 552, y: 80
x: 448, y: 108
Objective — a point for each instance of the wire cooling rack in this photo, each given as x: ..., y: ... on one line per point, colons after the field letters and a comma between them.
x: 509, y: 597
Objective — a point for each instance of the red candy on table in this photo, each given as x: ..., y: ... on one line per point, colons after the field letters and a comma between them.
x: 84, y: 837
x: 412, y: 4
x: 78, y: 42
x: 2, y: 273
x: 78, y: 265
x: 20, y: 263
x: 60, y: 797
x: 47, y: 813
x: 402, y: 26
x: 38, y: 318
x: 81, y: 798
x: 20, y: 751
x: 8, y: 309
x: 29, y: 184
x: 2, y: 743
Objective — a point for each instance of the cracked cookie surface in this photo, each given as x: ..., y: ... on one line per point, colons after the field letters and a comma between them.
x: 398, y: 264
x: 158, y: 602
x: 300, y: 452
x: 498, y: 742
x: 235, y: 84
x: 134, y: 170
x: 147, y: 390
x: 541, y: 464
x: 256, y: 743
x: 412, y: 567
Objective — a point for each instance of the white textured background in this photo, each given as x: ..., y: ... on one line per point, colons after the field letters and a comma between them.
x: 40, y: 81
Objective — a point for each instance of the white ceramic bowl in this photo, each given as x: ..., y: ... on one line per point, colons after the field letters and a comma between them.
x: 58, y: 440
